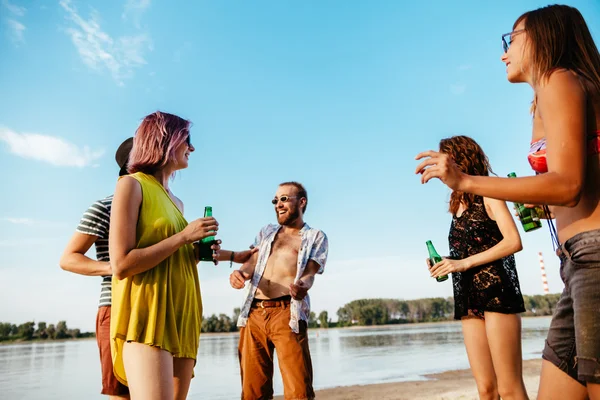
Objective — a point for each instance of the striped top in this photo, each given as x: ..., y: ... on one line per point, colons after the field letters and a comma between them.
x: 95, y: 221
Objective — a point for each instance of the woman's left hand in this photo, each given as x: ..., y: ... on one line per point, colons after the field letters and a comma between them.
x: 447, y: 266
x: 441, y: 166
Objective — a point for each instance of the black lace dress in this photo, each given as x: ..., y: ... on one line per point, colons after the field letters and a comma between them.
x: 490, y: 287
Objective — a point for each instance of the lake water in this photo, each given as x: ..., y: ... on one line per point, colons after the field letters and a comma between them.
x: 341, y: 357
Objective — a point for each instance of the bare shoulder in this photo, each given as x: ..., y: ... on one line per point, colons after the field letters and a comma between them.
x: 494, y: 207
x: 128, y: 185
x: 561, y: 85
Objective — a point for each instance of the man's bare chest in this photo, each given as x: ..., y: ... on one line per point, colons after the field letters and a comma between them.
x: 286, y: 244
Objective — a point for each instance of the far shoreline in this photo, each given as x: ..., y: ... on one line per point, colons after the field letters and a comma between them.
x: 352, y: 327
x: 36, y: 341
x: 384, y: 326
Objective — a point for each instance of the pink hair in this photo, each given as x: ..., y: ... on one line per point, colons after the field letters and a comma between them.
x: 155, y: 142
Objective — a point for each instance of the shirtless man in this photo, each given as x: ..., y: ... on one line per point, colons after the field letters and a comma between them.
x: 275, y: 313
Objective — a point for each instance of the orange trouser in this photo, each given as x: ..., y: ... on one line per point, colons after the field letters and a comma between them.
x: 268, y: 329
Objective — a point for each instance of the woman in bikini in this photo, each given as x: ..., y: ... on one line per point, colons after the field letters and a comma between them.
x: 487, y: 296
x: 552, y: 50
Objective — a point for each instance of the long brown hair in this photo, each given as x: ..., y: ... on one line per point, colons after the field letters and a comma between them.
x: 560, y: 39
x: 471, y: 160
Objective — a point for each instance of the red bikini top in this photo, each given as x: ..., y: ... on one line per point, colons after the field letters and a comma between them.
x: 537, y: 152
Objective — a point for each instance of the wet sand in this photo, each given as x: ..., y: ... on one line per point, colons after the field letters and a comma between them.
x: 449, y: 385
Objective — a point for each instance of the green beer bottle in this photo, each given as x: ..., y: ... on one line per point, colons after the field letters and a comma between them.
x: 529, y: 217
x: 434, y: 258
x: 206, y: 253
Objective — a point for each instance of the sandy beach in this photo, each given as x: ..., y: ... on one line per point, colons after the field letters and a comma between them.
x: 450, y: 385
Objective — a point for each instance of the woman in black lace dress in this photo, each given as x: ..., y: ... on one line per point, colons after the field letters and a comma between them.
x: 487, y: 297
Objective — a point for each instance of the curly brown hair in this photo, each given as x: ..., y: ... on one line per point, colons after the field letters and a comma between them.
x: 470, y: 159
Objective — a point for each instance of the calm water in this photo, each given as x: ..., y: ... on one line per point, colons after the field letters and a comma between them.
x: 341, y: 357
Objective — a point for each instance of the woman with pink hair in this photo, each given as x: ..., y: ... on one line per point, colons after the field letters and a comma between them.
x: 156, y: 304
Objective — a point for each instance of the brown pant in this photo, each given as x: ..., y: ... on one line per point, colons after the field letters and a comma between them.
x: 268, y: 329
x: 110, y: 385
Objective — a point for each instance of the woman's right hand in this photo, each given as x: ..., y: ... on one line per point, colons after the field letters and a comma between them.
x: 200, y: 229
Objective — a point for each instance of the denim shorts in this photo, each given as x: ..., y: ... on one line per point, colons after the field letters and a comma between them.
x: 573, y: 342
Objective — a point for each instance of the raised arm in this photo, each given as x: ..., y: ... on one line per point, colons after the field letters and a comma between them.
x: 562, y: 106
x: 126, y: 259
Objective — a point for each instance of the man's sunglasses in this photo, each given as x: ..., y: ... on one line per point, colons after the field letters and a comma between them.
x: 283, y: 199
x: 506, y: 44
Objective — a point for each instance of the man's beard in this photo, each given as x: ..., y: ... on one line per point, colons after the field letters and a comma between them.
x: 290, y: 217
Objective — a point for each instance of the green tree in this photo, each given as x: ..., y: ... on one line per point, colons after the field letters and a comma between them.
x: 344, y: 317
x: 324, y: 321
x: 26, y: 330
x: 41, y: 330
x: 210, y: 324
x: 5, y: 330
x: 236, y: 315
x: 224, y: 323
x: 312, y: 320
x: 51, y: 331
x: 61, y: 330
x: 74, y: 333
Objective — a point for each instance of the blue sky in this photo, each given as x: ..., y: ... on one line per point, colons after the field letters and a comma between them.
x: 338, y: 95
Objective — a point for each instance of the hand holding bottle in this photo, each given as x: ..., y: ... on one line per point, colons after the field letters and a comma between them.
x: 530, y: 220
x: 540, y: 211
x: 447, y: 266
x: 434, y: 259
x: 199, y: 229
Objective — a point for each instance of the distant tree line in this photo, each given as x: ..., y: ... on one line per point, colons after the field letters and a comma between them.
x: 392, y: 311
x: 366, y: 312
x: 28, y: 331
x: 356, y: 313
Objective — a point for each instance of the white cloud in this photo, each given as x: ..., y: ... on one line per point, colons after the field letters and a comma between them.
x: 465, y: 67
x: 25, y: 242
x: 50, y: 149
x: 458, y: 88
x: 134, y: 10
x: 16, y: 31
x: 15, y: 28
x: 99, y: 51
x: 19, y: 221
x: 14, y: 9
x: 31, y: 222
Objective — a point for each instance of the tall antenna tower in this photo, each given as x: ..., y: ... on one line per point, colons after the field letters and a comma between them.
x: 544, y: 278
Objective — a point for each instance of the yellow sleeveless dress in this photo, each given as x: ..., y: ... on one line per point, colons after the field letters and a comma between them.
x: 161, y: 307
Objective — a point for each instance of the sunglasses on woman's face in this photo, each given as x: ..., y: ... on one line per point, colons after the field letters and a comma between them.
x: 188, y: 140
x: 506, y: 44
x: 283, y: 199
